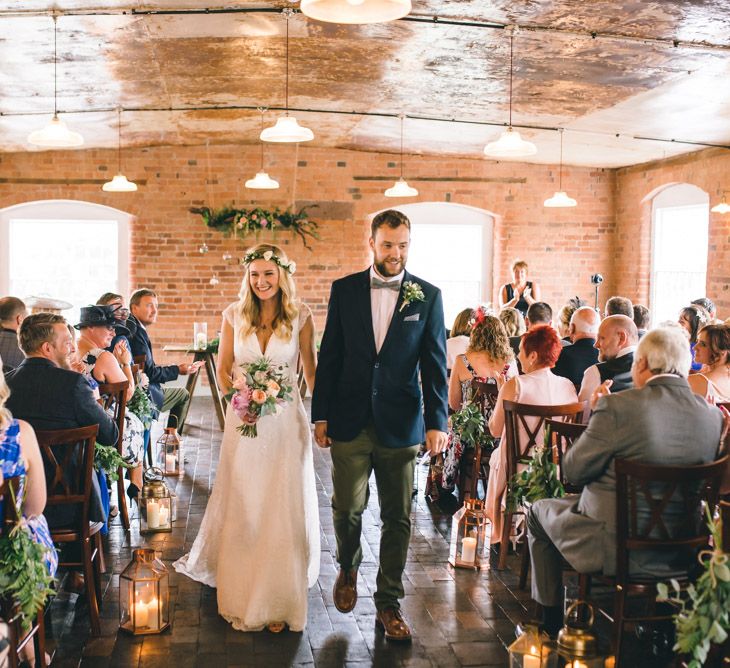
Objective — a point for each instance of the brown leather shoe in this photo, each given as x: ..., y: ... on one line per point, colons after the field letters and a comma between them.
x: 344, y: 592
x: 391, y: 622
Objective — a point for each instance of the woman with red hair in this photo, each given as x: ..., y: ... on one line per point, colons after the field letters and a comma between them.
x: 539, y: 350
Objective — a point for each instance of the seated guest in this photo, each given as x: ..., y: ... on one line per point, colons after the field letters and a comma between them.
x: 641, y: 319
x: 616, y: 343
x: 143, y: 304
x: 538, y: 314
x: 576, y: 358
x: 124, y: 327
x: 709, y: 306
x: 50, y: 396
x: 652, y: 423
x: 513, y: 321
x: 521, y: 293
x: 458, y: 337
x: 565, y: 314
x: 12, y: 312
x: 539, y: 350
x: 693, y: 318
x: 619, y: 306
x: 713, y: 353
x: 97, y: 328
x: 488, y: 359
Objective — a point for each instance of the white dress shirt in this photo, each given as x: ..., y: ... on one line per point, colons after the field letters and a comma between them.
x: 592, y: 376
x: 382, y: 306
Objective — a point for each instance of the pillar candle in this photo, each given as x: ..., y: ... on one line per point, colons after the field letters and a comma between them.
x: 141, y: 614
x: 153, y: 609
x: 469, y: 549
x: 153, y: 514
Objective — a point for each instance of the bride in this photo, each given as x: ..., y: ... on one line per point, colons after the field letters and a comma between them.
x: 259, y: 539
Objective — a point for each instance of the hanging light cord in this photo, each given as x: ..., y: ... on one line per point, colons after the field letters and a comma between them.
x: 511, y: 40
x: 262, y: 111
x: 55, y: 67
x: 402, y: 117
x: 119, y: 140
x: 560, y: 171
x: 287, y: 16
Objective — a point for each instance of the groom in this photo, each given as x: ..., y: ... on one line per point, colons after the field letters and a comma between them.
x: 383, y: 343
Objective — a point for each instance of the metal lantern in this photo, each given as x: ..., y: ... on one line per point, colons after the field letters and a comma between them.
x: 169, y: 449
x: 532, y: 649
x: 469, y: 536
x: 155, y: 504
x: 144, y: 594
x: 577, y: 643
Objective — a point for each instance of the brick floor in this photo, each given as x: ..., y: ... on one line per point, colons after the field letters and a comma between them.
x: 458, y: 618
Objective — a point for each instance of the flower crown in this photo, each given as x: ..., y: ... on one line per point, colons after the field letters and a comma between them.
x: 269, y: 256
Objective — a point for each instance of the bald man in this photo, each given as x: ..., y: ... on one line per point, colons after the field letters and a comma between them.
x: 582, y: 353
x: 616, y: 343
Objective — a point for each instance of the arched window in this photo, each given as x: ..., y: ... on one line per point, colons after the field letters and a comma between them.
x: 65, y: 249
x: 680, y: 222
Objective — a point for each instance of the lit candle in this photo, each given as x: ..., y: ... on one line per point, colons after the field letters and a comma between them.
x: 141, y: 614
x: 532, y: 660
x: 201, y: 341
x: 164, y: 516
x: 153, y: 514
x: 469, y: 549
x: 170, y: 463
x: 578, y: 664
x: 153, y: 611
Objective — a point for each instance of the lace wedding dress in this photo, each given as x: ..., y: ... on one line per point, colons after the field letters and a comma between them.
x: 259, y: 539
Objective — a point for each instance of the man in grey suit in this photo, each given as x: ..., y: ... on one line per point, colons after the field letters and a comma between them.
x: 660, y: 421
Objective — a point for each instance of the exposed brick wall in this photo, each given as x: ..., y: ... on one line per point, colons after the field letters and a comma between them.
x: 563, y: 246
x: 635, y: 187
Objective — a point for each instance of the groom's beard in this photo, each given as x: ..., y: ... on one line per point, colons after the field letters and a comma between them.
x: 388, y: 270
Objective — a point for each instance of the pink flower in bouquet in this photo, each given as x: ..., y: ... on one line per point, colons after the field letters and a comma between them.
x: 259, y: 396
x: 240, y: 402
x: 240, y: 384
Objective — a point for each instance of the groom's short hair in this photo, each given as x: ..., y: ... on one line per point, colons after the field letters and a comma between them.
x: 391, y: 218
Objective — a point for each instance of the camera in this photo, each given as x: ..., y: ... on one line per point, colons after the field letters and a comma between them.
x: 596, y: 279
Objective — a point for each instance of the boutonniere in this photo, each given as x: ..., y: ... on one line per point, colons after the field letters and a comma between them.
x: 412, y: 292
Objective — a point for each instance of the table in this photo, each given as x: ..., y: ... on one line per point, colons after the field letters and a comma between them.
x: 209, y: 359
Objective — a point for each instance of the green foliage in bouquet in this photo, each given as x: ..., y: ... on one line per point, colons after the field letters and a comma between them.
x: 538, y: 481
x: 704, y: 612
x: 141, y: 405
x: 107, y: 460
x: 244, y: 222
x: 24, y: 577
x: 469, y: 425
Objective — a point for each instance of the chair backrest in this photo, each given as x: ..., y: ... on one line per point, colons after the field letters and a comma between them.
x: 661, y: 507
x: 725, y: 518
x: 562, y: 437
x: 485, y: 396
x: 520, y: 441
x: 9, y: 490
x: 68, y: 459
x: 140, y: 359
x: 114, y: 395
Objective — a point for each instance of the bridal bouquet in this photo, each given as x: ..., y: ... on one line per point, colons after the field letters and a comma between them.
x: 263, y: 390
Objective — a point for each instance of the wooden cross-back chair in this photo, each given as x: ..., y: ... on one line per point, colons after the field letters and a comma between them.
x: 68, y: 459
x: 562, y: 437
x: 114, y: 397
x: 658, y: 508
x: 17, y: 637
x: 517, y: 448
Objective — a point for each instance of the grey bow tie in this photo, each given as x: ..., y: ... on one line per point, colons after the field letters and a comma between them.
x: 376, y: 284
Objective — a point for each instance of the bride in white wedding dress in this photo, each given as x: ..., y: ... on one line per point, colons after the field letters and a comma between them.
x: 259, y: 540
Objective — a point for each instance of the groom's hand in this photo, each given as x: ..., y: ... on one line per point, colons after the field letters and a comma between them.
x: 320, y: 435
x: 436, y: 441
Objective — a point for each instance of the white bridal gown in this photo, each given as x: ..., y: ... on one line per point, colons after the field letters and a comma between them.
x: 259, y: 539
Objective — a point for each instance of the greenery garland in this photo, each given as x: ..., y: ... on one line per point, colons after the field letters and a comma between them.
x: 244, y: 222
x: 469, y: 425
x: 24, y: 576
x: 704, y: 614
x: 107, y: 460
x: 141, y: 405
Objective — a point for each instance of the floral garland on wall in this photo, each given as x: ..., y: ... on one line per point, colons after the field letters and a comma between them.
x: 244, y: 222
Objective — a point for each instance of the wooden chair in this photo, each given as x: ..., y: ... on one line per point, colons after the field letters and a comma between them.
x: 725, y: 518
x: 657, y: 491
x: 114, y: 396
x: 562, y: 437
x: 17, y: 637
x: 139, y: 360
x: 517, y: 448
x: 71, y: 486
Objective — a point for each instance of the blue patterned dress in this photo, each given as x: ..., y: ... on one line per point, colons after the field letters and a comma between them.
x: 13, y: 466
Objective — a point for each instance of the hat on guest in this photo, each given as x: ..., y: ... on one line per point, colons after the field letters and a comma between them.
x: 99, y: 316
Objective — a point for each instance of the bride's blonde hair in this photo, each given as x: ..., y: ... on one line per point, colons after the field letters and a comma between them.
x: 249, y: 305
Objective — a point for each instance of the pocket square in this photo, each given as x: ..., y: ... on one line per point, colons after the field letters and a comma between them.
x: 412, y: 318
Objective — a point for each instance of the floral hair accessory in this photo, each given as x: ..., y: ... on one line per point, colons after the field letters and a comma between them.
x: 480, y: 313
x: 269, y: 256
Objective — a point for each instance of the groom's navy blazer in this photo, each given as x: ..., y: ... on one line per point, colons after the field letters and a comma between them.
x: 356, y: 384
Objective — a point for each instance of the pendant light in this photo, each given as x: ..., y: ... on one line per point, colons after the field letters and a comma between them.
x: 56, y: 134
x: 286, y: 129
x: 400, y: 187
x: 510, y: 144
x: 722, y: 207
x: 355, y: 11
x: 560, y: 199
x: 262, y: 181
x: 119, y: 183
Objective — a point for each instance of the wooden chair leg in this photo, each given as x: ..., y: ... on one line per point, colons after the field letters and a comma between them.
x: 584, y: 586
x: 504, y: 541
x: 40, y: 639
x: 525, y: 565
x: 122, y: 500
x: 14, y: 640
x: 618, y: 624
x: 91, y: 590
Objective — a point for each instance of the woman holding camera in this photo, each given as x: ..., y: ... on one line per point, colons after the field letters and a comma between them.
x: 520, y: 293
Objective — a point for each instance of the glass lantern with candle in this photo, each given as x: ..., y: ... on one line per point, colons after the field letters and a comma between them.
x: 170, y: 453
x: 577, y: 642
x: 144, y: 594
x: 532, y: 649
x: 200, y: 335
x: 155, y: 504
x: 469, y: 536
